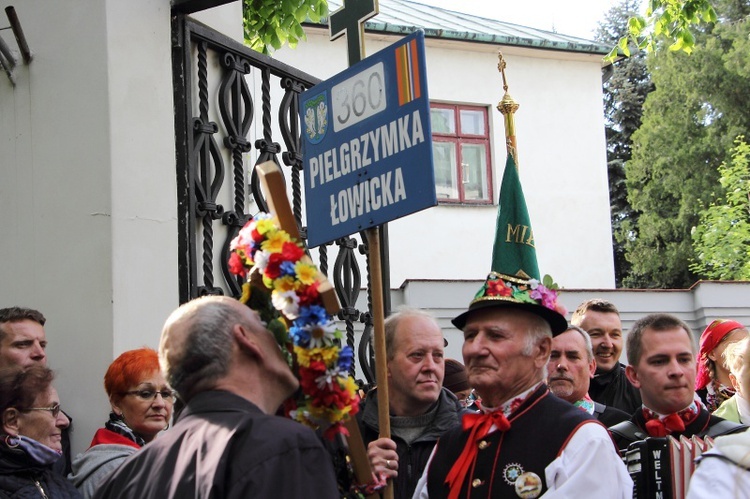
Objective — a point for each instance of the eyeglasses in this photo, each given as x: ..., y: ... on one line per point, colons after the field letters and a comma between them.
x: 55, y: 410
x: 167, y: 395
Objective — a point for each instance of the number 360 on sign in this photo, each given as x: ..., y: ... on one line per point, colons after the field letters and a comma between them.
x: 358, y: 98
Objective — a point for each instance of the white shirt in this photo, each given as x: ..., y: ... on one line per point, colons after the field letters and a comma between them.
x: 589, y: 466
x: 716, y: 478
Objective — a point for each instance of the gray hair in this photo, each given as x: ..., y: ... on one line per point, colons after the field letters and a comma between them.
x: 205, y: 353
x: 391, y: 324
x: 734, y: 355
x: 538, y: 330
x: 586, y: 339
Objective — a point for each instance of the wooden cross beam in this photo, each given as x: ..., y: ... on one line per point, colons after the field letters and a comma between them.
x: 350, y: 20
x: 272, y: 182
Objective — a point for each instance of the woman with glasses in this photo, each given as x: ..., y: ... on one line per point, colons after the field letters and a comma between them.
x: 141, y: 404
x: 31, y: 439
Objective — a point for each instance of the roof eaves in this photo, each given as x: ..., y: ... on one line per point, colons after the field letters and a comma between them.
x: 488, y: 38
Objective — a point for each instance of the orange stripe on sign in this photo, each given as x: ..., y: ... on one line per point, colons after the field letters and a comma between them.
x: 401, y: 76
x: 415, y: 70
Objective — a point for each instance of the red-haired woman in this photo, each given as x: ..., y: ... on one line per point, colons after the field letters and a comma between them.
x: 141, y: 404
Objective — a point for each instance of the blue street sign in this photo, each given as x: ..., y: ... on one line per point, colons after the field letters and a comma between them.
x: 367, y: 143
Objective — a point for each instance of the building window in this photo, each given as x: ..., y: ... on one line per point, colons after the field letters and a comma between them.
x: 461, y: 152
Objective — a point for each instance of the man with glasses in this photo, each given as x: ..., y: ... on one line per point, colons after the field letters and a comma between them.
x: 229, y: 371
x: 23, y: 343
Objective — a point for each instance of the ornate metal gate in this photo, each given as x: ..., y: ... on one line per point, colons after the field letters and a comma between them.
x: 217, y: 85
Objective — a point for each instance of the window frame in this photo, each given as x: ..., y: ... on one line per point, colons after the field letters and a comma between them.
x: 460, y: 138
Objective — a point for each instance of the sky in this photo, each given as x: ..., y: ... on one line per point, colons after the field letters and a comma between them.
x: 568, y: 17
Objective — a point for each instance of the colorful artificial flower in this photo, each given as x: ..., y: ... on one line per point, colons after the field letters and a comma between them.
x: 282, y: 284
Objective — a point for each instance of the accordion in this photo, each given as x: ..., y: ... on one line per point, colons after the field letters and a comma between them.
x: 661, y: 467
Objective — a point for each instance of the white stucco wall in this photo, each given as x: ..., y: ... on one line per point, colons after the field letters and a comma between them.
x: 87, y: 185
x: 562, y: 159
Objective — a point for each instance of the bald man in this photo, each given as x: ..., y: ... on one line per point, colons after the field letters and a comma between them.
x: 229, y: 371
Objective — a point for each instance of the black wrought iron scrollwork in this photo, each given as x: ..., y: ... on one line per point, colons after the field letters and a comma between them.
x: 366, y: 351
x: 209, y: 175
x: 236, y: 108
x: 200, y: 169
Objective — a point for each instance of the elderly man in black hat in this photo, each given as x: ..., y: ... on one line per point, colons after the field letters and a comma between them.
x: 525, y: 442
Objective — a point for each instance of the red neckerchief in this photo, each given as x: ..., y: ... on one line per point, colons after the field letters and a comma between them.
x: 658, y: 425
x: 479, y: 425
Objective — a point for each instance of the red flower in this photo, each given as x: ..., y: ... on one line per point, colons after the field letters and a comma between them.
x: 272, y: 268
x: 308, y: 295
x: 291, y: 251
x: 236, y: 266
x: 498, y: 288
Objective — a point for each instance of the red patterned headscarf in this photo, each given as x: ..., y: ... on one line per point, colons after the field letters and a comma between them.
x: 712, y: 336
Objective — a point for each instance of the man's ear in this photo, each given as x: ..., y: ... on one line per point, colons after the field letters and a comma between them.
x: 592, y: 368
x: 10, y: 421
x: 543, y: 350
x: 246, y: 341
x: 632, y: 374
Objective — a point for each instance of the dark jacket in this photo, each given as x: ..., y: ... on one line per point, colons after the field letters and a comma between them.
x: 21, y: 477
x: 223, y: 446
x: 413, y: 458
x: 609, y: 416
x: 613, y: 389
x: 634, y: 429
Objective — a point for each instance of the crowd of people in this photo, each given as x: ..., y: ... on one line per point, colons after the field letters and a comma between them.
x: 540, y: 407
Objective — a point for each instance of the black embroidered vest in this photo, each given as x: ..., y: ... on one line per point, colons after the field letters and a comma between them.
x: 539, y: 430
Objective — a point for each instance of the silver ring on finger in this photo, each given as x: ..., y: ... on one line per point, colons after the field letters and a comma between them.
x: 388, y: 464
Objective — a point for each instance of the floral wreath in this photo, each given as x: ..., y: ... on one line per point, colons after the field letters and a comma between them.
x: 503, y: 287
x: 281, y: 284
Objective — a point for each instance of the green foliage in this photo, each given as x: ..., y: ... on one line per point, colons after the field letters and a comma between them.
x: 672, y: 20
x: 269, y: 24
x: 689, y: 125
x: 722, y: 239
x: 625, y: 90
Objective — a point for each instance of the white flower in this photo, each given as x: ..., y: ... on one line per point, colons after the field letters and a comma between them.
x: 533, y: 283
x: 287, y: 303
x: 322, y: 335
x: 326, y: 380
x: 261, y: 260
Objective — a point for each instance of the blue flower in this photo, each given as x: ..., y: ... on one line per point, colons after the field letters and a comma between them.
x: 346, y: 356
x: 313, y: 314
x: 287, y: 268
x: 300, y: 335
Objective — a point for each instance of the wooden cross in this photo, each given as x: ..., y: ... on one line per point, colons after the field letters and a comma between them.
x: 350, y: 20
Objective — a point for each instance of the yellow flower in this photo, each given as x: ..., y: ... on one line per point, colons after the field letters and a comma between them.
x: 245, y: 293
x: 264, y: 226
x: 305, y: 272
x: 284, y: 284
x: 303, y: 357
x: 275, y: 241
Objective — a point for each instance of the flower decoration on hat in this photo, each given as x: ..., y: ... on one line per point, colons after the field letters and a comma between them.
x: 282, y: 285
x: 514, y: 289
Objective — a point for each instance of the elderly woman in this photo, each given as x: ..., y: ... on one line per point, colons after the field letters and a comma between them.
x: 737, y: 407
x: 712, y: 381
x: 32, y: 435
x: 141, y: 404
